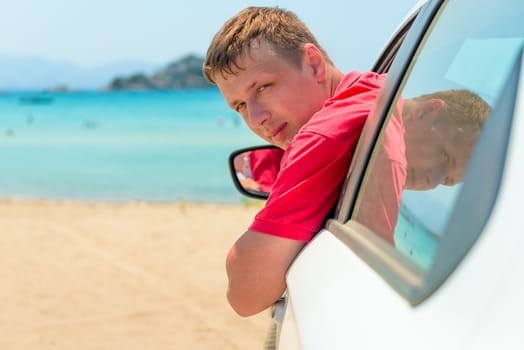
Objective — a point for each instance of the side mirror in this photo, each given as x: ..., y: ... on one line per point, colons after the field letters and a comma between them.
x: 254, y: 169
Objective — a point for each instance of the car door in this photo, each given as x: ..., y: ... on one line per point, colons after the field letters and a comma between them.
x: 420, y: 253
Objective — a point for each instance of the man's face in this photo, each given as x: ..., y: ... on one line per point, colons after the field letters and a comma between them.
x: 437, y: 152
x: 274, y: 97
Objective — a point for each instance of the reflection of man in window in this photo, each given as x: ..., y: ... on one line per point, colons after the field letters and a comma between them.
x: 427, y: 142
x: 257, y: 170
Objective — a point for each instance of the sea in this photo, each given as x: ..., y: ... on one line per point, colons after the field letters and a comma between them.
x: 161, y: 146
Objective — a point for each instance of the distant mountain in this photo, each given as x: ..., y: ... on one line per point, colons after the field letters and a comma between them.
x: 181, y: 74
x: 34, y: 73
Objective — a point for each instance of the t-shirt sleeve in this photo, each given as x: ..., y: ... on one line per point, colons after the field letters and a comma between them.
x: 306, y: 188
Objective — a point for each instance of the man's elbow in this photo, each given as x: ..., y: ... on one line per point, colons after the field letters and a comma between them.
x: 243, y: 305
x: 256, y: 268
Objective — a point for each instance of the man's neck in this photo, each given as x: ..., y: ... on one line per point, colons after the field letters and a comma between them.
x: 334, y: 78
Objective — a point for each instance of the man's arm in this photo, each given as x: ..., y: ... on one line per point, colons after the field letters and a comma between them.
x: 256, y: 268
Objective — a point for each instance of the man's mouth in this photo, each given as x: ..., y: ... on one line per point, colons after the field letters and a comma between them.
x: 277, y: 134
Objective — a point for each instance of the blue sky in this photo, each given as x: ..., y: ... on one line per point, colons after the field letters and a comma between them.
x: 92, y: 32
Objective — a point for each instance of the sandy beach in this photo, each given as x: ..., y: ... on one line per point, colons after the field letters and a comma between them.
x: 81, y: 275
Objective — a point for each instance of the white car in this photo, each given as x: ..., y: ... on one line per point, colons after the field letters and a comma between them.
x: 454, y: 276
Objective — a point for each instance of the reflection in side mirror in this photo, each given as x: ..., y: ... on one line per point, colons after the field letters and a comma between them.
x: 255, y: 169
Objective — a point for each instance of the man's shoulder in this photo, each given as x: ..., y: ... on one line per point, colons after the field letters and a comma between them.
x: 346, y: 112
x: 363, y: 80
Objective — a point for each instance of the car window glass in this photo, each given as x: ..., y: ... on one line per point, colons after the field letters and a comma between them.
x: 417, y: 169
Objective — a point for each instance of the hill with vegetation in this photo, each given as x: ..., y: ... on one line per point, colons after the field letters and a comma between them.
x: 184, y: 73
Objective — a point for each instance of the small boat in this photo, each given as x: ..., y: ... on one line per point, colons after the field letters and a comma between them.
x: 36, y: 100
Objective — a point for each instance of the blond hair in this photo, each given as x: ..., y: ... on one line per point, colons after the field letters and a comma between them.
x: 463, y: 106
x: 285, y: 33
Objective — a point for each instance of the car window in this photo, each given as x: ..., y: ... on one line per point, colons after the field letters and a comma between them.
x: 421, y: 162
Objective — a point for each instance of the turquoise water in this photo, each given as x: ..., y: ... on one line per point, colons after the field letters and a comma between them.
x: 414, y: 239
x: 153, y: 146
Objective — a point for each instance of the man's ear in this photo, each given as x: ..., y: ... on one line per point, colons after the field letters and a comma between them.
x: 428, y: 109
x: 435, y: 105
x: 314, y: 60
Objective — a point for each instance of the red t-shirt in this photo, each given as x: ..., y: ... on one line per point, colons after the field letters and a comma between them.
x: 380, y: 201
x: 315, y: 163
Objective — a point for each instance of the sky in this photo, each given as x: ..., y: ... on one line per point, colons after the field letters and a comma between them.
x: 94, y: 32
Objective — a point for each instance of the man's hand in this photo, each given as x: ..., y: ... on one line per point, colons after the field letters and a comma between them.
x: 256, y: 268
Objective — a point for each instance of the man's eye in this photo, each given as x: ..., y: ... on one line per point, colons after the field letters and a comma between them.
x: 239, y: 107
x: 262, y: 87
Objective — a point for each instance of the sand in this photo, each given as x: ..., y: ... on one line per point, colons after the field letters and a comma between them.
x: 81, y: 275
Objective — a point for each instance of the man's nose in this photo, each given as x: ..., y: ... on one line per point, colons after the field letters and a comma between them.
x: 258, y: 114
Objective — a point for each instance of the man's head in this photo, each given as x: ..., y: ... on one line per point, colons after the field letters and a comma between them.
x: 271, y: 70
x: 441, y: 130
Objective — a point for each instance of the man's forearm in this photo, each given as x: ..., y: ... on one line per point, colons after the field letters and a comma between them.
x: 256, y: 267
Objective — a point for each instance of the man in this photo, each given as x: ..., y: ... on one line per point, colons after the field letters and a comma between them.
x: 270, y: 68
